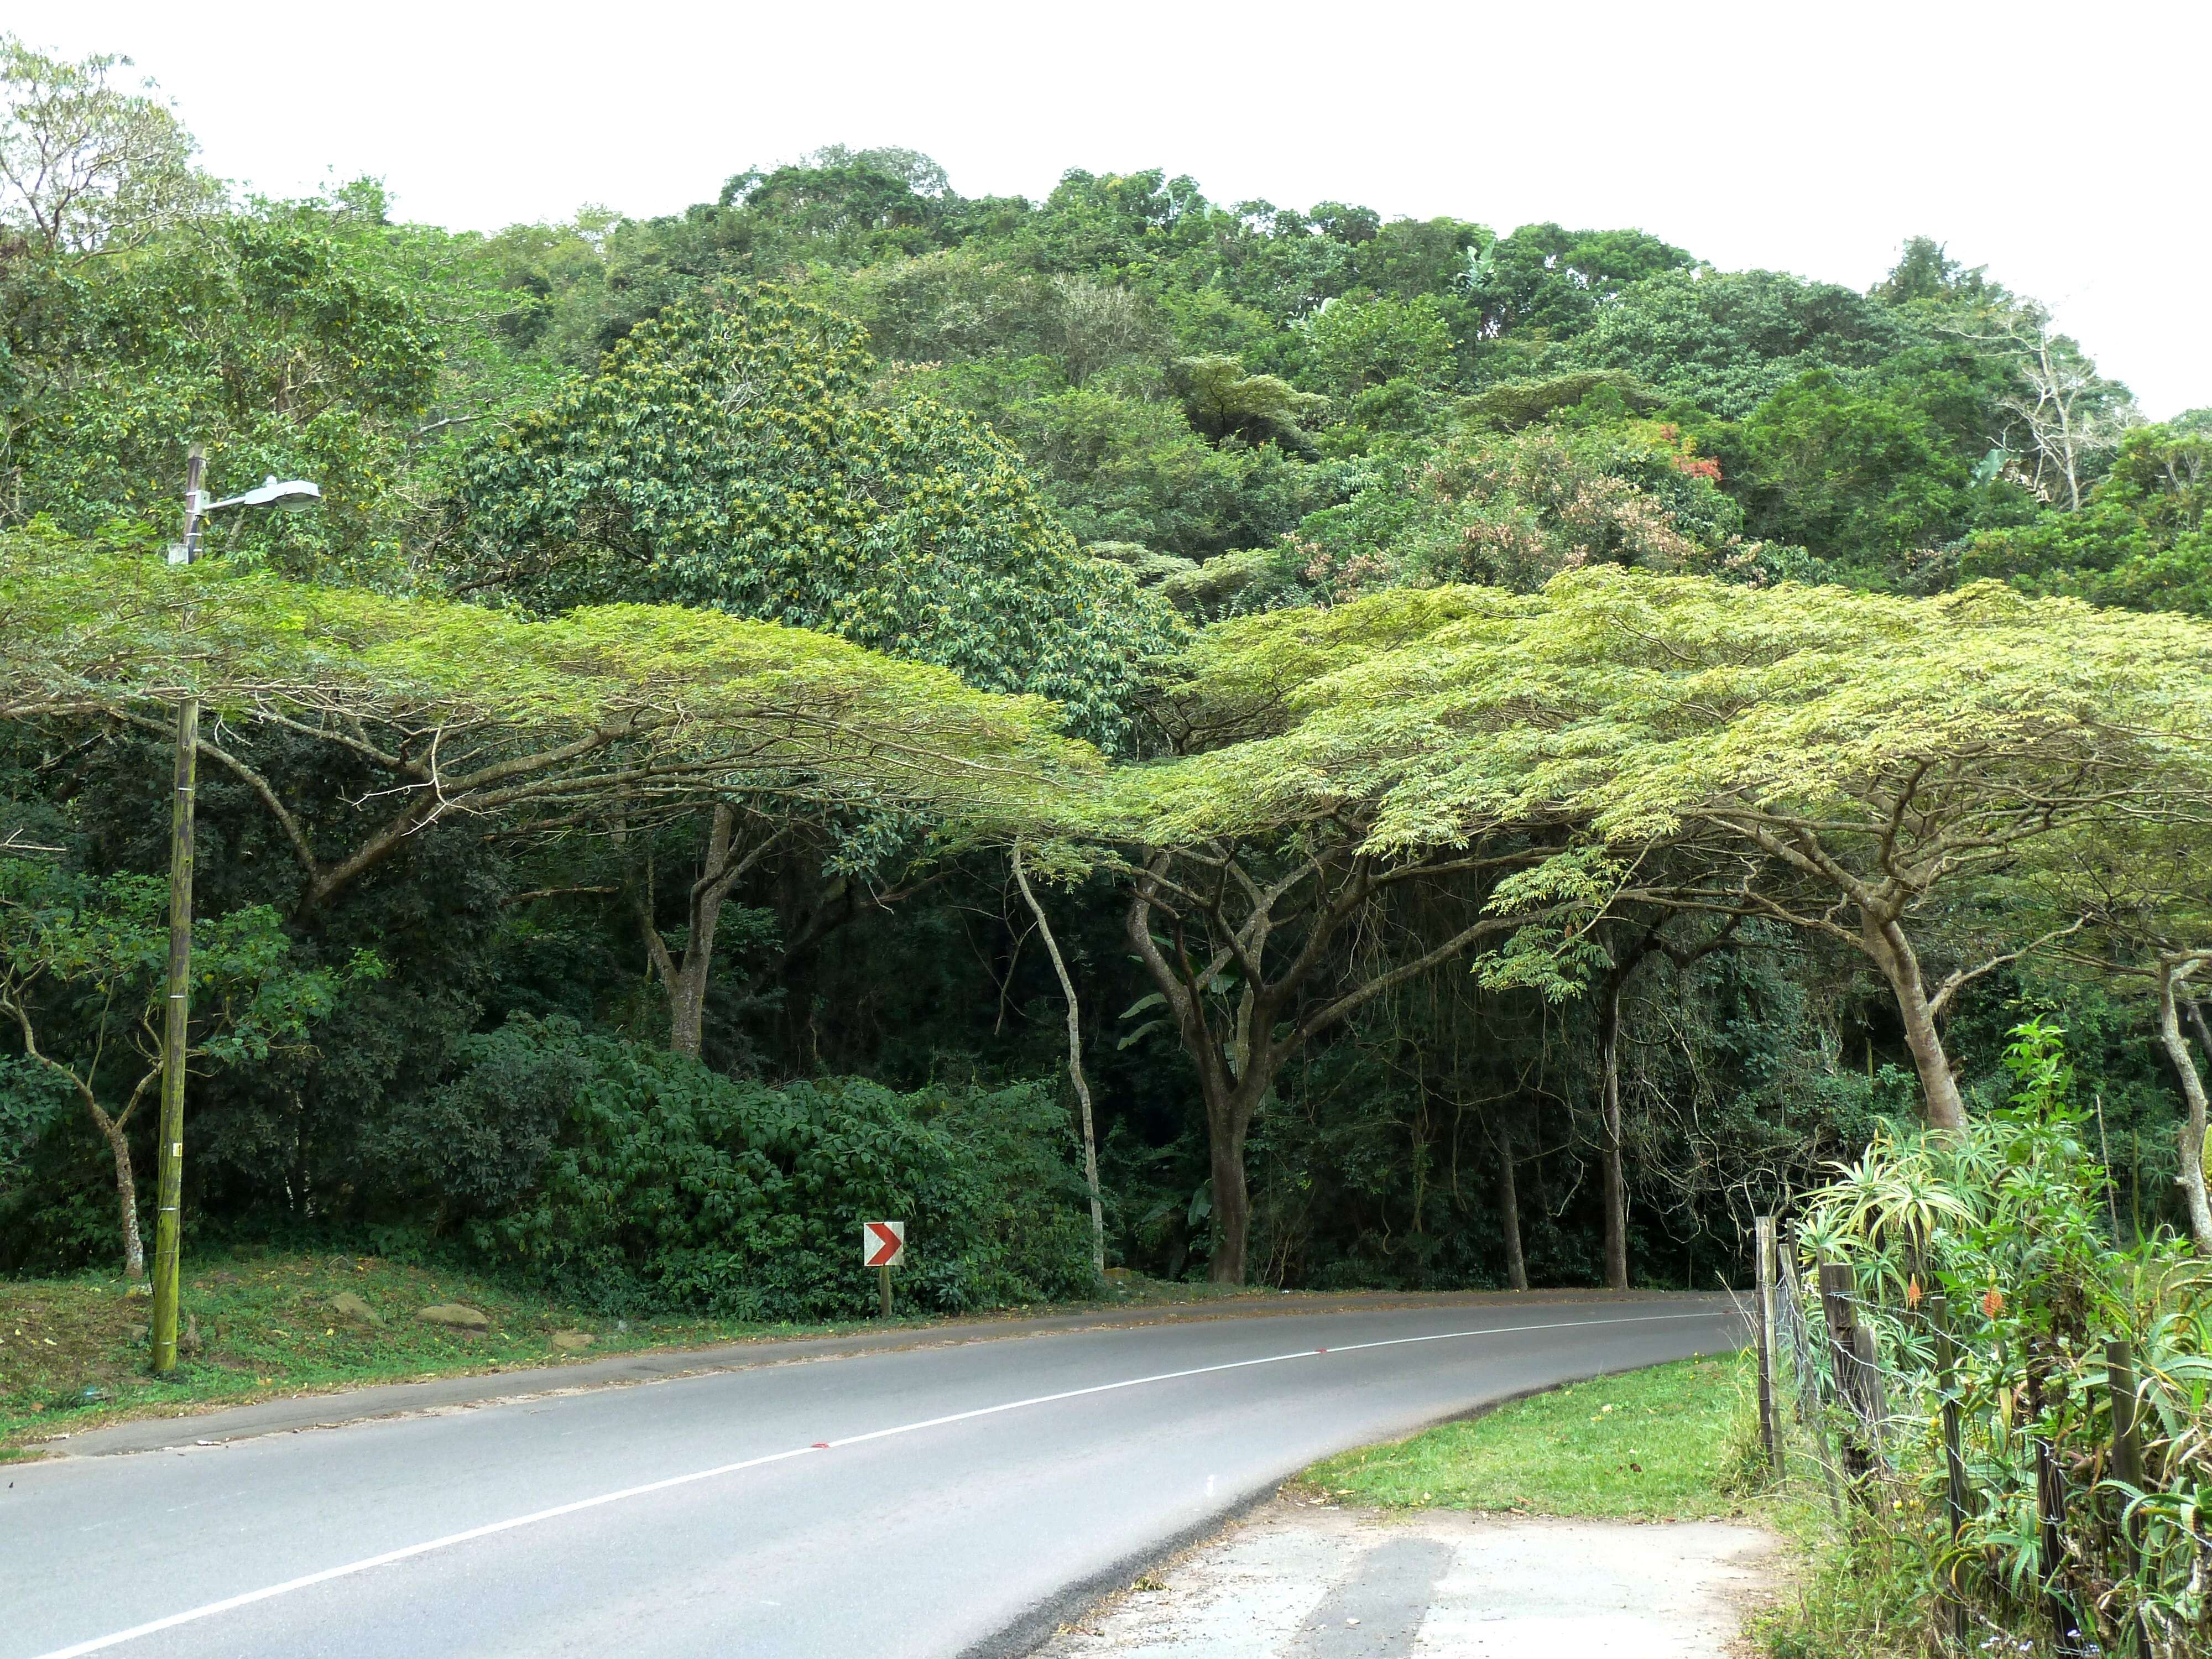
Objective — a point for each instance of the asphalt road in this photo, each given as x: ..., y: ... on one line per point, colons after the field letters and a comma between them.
x: 933, y: 1501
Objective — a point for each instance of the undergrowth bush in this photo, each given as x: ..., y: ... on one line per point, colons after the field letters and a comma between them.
x: 2011, y: 1222
x: 627, y: 1178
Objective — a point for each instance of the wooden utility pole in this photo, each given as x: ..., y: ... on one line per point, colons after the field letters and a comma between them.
x: 177, y: 1008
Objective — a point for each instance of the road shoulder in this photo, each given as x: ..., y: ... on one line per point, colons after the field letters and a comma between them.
x: 1294, y: 1577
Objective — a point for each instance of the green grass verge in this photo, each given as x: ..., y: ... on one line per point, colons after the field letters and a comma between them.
x: 1675, y: 1441
x: 72, y: 1352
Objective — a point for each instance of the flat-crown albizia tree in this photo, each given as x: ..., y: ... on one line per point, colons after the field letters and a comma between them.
x: 1249, y: 912
x: 474, y: 712
x: 1843, y: 760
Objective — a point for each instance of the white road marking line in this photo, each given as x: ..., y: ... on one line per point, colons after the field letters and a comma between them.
x: 228, y: 1604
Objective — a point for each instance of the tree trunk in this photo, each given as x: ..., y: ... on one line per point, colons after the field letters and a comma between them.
x: 2191, y: 1176
x: 2203, y: 1030
x: 1885, y: 942
x: 687, y: 1008
x: 126, y: 1195
x: 685, y: 980
x: 1509, y: 1210
x: 1075, y: 1068
x: 1232, y: 1206
x: 687, y: 1001
x: 1615, y: 1174
x: 1229, y: 1113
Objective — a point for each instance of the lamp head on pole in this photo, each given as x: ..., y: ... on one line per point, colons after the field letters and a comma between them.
x: 287, y: 494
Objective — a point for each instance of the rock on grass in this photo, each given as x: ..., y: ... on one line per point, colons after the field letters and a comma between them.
x: 458, y: 1316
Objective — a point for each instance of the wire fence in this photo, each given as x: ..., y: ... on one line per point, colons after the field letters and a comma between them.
x: 2069, y: 1502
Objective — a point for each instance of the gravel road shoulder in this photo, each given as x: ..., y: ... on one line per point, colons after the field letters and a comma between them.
x: 1291, y: 1581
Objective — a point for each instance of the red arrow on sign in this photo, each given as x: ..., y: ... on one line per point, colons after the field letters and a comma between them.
x: 886, y: 1242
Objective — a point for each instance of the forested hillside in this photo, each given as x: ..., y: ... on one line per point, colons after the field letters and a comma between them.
x: 1530, y: 746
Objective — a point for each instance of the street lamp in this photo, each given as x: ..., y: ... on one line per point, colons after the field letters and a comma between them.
x: 287, y: 494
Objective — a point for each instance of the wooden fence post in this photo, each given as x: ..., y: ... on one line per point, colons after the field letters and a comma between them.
x: 1838, y: 1291
x: 1872, y: 1397
x: 1809, y: 1382
x: 1770, y: 1426
x: 2051, y: 1519
x: 1955, y: 1459
x: 2127, y: 1464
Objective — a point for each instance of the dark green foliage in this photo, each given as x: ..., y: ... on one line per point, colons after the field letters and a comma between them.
x: 1551, y: 282
x: 2140, y: 541
x: 1872, y: 473
x: 724, y: 455
x: 1383, y: 1167
x: 34, y: 1101
x: 1728, y: 340
x: 624, y: 1176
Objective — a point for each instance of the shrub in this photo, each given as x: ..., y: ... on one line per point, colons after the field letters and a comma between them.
x: 628, y: 1177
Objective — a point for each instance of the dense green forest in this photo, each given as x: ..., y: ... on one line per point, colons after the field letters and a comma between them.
x: 1529, y: 747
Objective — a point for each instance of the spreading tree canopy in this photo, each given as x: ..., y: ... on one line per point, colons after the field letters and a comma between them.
x: 1844, y: 757
x: 476, y: 711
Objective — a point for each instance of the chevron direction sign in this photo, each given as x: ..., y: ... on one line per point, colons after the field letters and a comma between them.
x: 883, y: 1243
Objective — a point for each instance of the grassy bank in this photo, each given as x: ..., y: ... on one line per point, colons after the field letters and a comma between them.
x: 1672, y: 1443
x: 72, y: 1352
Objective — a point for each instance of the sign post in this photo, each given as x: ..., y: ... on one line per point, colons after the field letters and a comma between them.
x: 883, y: 1246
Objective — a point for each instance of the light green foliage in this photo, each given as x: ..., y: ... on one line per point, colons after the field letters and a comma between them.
x: 725, y: 455
x: 1661, y: 1444
x: 1640, y: 703
x: 1835, y: 761
x: 1561, y: 952
x: 692, y: 695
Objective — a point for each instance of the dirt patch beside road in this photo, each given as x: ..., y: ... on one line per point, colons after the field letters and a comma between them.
x: 1294, y: 1581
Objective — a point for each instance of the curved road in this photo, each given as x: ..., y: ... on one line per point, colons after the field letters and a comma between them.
x: 925, y: 1501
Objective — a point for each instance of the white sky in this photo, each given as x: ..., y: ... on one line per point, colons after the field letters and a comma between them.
x: 2062, y: 145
